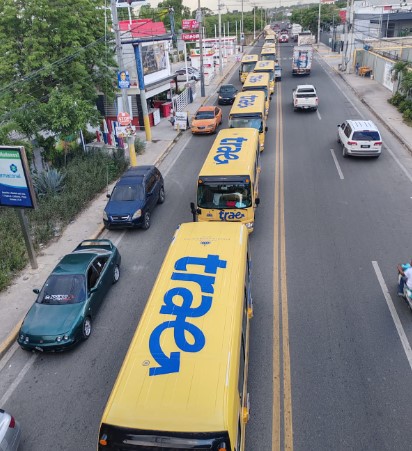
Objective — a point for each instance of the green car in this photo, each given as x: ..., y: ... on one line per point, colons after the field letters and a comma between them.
x: 71, y: 297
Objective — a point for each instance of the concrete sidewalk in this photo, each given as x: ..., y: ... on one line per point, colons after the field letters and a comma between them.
x: 16, y: 300
x: 374, y: 95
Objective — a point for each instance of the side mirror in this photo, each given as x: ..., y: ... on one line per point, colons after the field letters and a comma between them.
x: 36, y: 290
x: 266, y: 129
x: 108, y: 196
x: 257, y: 201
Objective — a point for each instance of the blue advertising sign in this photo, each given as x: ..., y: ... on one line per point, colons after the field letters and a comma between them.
x: 123, y: 79
x: 16, y: 189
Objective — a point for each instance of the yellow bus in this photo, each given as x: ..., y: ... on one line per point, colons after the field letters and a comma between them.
x: 227, y: 186
x: 269, y: 68
x: 268, y: 54
x: 183, y: 382
x: 259, y: 82
x: 248, y: 111
x: 247, y: 65
x: 270, y: 38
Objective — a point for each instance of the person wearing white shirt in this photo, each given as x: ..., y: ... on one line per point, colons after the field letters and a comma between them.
x: 406, y: 272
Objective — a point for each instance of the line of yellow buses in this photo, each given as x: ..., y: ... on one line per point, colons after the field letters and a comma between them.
x: 183, y: 382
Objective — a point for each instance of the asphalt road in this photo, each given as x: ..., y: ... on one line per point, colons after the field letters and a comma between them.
x: 327, y: 366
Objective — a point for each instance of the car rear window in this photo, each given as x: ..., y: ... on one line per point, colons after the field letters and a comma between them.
x: 227, y: 89
x: 366, y: 135
x: 304, y: 95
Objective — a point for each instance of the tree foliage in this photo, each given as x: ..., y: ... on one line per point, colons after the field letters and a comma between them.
x: 54, y: 57
x: 308, y: 17
x: 161, y: 13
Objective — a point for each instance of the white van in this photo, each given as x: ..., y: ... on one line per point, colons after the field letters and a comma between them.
x: 359, y: 138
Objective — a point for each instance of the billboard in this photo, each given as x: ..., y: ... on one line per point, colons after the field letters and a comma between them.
x: 190, y: 24
x: 16, y: 189
x: 154, y: 58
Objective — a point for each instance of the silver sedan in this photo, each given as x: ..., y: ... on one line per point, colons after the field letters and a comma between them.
x: 10, y: 432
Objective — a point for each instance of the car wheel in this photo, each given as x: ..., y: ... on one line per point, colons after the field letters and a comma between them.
x: 87, y: 328
x: 116, y: 274
x: 344, y: 152
x: 339, y: 141
x: 146, y: 221
x: 162, y: 195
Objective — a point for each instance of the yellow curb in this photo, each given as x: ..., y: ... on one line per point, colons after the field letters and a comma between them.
x: 10, y: 339
x: 98, y: 232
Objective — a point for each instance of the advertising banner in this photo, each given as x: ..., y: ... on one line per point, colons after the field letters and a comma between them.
x: 153, y: 58
x: 181, y: 120
x: 190, y: 36
x: 16, y: 189
x: 190, y: 24
x: 123, y: 79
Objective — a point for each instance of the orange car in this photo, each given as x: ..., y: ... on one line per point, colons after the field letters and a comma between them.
x: 207, y: 119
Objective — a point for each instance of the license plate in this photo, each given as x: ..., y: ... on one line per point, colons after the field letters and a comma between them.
x: 364, y: 146
x: 38, y: 348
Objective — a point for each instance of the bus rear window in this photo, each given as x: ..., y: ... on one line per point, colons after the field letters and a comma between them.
x: 125, y: 439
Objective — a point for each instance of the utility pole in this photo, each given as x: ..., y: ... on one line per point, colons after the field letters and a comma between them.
x: 254, y: 22
x: 140, y: 77
x: 350, y: 38
x: 242, y: 34
x: 219, y: 6
x: 202, y: 74
x: 345, y: 46
x: 125, y: 100
x: 319, y: 24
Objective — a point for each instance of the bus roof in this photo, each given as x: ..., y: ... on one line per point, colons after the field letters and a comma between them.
x: 193, y: 390
x: 231, y: 153
x: 262, y: 66
x: 248, y: 103
x: 256, y: 79
x: 250, y: 58
x: 268, y: 49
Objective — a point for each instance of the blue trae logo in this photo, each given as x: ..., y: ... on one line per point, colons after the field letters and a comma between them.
x: 255, y: 78
x: 228, y: 149
x: 246, y: 101
x: 230, y: 215
x: 182, y: 310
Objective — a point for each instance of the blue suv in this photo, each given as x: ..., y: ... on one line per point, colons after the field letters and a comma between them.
x: 134, y: 198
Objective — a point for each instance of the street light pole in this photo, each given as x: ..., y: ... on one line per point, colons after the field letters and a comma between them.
x: 220, y: 40
x: 319, y: 24
x: 202, y: 74
x: 125, y: 99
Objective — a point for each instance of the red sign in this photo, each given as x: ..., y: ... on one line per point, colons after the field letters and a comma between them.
x: 190, y: 24
x: 124, y: 118
x: 190, y: 36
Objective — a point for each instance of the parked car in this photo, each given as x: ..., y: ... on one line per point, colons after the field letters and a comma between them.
x: 226, y: 94
x: 359, y: 138
x: 67, y: 304
x: 10, y: 432
x: 207, y: 119
x: 134, y: 198
x: 192, y: 73
x: 284, y: 38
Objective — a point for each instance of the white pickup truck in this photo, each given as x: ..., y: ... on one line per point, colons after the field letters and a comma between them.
x: 305, y: 98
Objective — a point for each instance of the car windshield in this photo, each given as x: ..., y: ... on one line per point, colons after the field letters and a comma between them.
x: 257, y: 88
x: 228, y: 195
x: 246, y: 122
x: 127, y: 193
x: 63, y: 289
x: 305, y: 94
x: 200, y: 115
x: 227, y: 89
x: 366, y: 135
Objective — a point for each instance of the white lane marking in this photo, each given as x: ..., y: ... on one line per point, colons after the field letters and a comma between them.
x: 337, y: 164
x: 119, y: 238
x: 8, y: 355
x: 176, y: 156
x: 401, y: 166
x: 395, y: 317
x: 319, y: 116
x: 18, y: 379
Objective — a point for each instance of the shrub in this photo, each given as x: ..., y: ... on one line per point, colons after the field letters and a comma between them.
x: 139, y: 146
x: 405, y: 105
x: 407, y: 115
x: 86, y: 175
x: 396, y: 99
x: 48, y: 183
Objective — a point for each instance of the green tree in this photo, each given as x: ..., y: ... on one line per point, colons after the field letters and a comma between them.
x: 51, y: 50
x: 308, y: 17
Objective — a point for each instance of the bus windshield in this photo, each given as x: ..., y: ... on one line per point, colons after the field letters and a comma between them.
x: 257, y: 88
x: 246, y: 122
x: 228, y: 195
x: 248, y: 67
